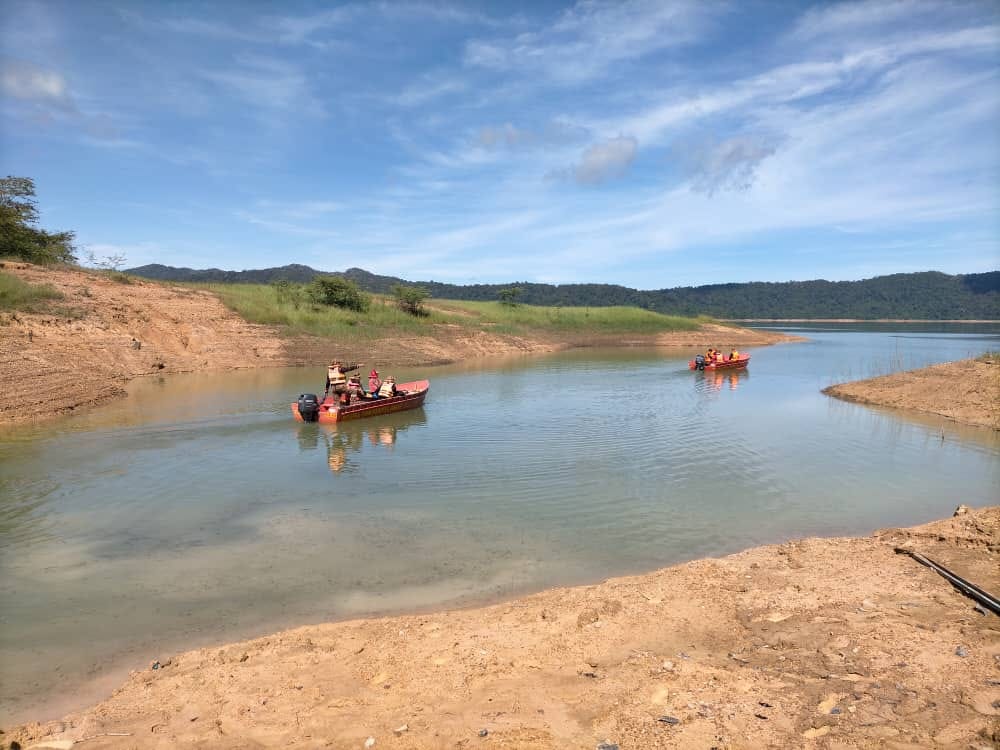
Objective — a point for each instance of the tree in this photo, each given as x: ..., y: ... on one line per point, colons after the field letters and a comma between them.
x: 19, y: 237
x: 337, y: 292
x: 509, y: 295
x: 410, y: 298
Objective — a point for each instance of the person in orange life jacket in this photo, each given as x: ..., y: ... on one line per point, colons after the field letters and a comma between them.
x: 336, y: 377
x: 374, y: 383
x: 388, y: 388
x: 734, y: 355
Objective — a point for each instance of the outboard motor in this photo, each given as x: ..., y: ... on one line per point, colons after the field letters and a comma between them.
x: 699, y: 361
x: 308, y: 407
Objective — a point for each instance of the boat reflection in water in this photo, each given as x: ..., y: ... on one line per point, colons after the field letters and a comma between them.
x: 345, y: 441
x: 713, y: 382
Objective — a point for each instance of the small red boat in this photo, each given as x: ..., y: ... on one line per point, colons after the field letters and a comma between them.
x: 411, y: 396
x: 700, y: 363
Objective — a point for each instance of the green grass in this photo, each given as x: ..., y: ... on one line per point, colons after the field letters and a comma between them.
x: 598, y: 320
x: 17, y: 295
x: 260, y: 303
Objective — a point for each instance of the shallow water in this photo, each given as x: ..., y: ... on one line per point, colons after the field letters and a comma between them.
x: 198, y: 512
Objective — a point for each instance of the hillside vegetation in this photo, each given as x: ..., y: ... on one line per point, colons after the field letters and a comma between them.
x: 272, y: 305
x: 929, y: 295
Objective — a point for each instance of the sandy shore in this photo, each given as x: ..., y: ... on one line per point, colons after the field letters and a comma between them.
x: 826, y: 643
x: 51, y: 365
x: 967, y: 391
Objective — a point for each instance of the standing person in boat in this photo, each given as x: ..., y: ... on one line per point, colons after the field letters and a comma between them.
x: 388, y: 389
x: 336, y: 377
x: 374, y: 383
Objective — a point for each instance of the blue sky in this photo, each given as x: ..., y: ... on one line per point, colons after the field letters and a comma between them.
x: 651, y: 144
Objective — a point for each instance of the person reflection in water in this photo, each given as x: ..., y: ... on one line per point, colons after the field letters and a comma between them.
x: 338, y: 445
x: 382, y: 436
x: 336, y: 458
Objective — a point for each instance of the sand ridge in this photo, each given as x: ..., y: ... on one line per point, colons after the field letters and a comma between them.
x: 967, y: 391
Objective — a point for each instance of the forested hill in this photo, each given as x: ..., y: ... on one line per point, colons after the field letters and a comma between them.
x: 929, y: 295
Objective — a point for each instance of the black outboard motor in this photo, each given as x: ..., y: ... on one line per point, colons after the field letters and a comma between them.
x: 308, y: 407
x: 699, y: 361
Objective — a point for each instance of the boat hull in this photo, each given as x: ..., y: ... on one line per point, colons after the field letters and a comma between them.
x: 330, y: 412
x: 737, y: 364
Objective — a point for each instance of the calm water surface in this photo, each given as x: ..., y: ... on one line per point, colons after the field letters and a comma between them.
x: 198, y: 512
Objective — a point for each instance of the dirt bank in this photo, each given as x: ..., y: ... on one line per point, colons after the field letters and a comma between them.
x: 826, y: 643
x: 966, y: 391
x: 109, y: 332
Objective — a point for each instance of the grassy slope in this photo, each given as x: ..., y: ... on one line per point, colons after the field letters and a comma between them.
x: 259, y: 303
x: 20, y: 295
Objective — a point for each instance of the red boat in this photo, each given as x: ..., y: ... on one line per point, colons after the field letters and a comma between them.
x: 411, y: 396
x: 699, y: 363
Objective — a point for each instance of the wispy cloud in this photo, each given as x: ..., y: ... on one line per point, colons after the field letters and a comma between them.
x: 268, y: 82
x: 428, y: 88
x: 729, y: 164
x: 602, y: 162
x: 587, y: 39
x: 509, y: 135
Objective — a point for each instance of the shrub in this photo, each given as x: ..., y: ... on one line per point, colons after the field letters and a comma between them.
x: 410, y: 299
x: 509, y: 296
x: 337, y: 292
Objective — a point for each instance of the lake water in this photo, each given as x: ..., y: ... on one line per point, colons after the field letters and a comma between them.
x: 198, y: 512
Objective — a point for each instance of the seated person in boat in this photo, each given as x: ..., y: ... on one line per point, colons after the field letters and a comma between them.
x: 374, y: 383
x: 734, y: 355
x: 355, y: 391
x: 388, y: 388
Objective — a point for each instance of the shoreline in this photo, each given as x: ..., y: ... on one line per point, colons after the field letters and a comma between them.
x: 966, y: 391
x: 117, y: 331
x: 853, y: 320
x: 783, y: 644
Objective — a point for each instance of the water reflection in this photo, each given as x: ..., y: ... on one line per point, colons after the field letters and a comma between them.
x: 709, y: 382
x: 345, y: 442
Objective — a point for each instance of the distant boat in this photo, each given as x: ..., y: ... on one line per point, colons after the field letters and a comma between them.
x: 309, y: 409
x: 699, y: 363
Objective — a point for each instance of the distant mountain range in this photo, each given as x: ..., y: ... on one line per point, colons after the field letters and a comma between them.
x: 929, y: 295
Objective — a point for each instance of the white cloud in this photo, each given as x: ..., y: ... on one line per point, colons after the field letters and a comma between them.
x: 24, y: 80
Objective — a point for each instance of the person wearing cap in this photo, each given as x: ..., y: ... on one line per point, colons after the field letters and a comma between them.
x: 388, y: 389
x: 374, y: 383
x: 336, y: 377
